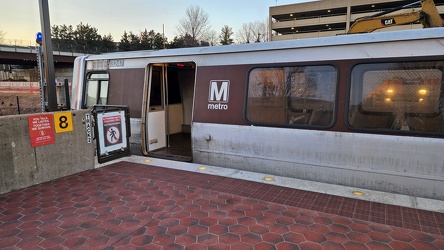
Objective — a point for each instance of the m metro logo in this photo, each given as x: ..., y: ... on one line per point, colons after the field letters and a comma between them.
x: 219, y: 94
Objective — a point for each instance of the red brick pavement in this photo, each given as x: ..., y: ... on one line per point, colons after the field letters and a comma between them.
x: 133, y: 206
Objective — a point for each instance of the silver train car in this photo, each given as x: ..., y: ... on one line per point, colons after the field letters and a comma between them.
x: 361, y: 110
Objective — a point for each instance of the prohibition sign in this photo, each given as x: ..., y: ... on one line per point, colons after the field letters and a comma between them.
x: 113, y: 135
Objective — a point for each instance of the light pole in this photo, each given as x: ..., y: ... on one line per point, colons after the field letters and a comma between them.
x: 48, y: 56
x: 38, y: 40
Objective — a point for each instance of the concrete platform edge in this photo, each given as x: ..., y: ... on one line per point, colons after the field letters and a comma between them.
x: 324, y: 188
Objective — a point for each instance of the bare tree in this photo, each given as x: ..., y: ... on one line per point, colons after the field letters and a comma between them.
x: 212, y: 38
x: 195, y: 23
x: 260, y: 30
x: 225, y: 35
x: 245, y: 34
x: 253, y: 32
x: 2, y: 36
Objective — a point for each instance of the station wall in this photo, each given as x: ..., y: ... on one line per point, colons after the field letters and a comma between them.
x: 23, y: 165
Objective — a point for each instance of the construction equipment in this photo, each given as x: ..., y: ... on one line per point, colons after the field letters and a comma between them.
x: 428, y: 16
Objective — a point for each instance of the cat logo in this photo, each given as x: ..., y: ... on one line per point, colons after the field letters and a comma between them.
x: 388, y: 22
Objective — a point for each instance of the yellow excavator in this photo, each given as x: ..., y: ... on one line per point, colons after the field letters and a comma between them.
x: 428, y: 16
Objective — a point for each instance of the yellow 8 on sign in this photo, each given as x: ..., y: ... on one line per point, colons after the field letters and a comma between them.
x: 63, y: 122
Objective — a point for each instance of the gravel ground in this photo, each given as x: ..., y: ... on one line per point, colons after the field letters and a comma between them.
x: 29, y: 103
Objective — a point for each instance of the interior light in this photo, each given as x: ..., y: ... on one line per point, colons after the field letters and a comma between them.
x: 291, y: 14
x: 422, y: 92
x: 390, y: 91
x: 388, y: 99
x: 373, y: 5
x: 421, y: 99
x: 292, y: 28
x: 328, y: 11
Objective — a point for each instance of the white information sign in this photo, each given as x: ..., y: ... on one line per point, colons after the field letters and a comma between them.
x: 112, y: 131
x: 88, y: 128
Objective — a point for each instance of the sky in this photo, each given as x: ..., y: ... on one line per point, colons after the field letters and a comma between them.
x: 20, y: 19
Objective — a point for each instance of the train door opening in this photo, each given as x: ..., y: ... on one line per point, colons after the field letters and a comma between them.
x: 169, y: 111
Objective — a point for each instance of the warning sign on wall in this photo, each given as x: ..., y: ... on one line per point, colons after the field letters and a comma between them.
x: 41, y: 129
x: 112, y: 128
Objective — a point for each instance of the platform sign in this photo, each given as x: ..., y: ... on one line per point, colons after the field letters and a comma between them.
x: 63, y: 122
x: 41, y: 129
x: 112, y: 131
x: 88, y: 128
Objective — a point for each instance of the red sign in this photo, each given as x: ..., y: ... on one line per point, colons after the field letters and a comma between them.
x: 112, y: 125
x: 41, y: 129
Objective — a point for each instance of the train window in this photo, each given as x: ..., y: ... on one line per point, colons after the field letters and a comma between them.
x: 397, y: 96
x: 292, y: 95
x: 96, y: 89
x: 156, y: 87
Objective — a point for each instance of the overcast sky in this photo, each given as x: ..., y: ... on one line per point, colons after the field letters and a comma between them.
x: 20, y: 19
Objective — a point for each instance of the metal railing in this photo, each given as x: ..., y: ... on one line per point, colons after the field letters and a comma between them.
x: 17, y: 42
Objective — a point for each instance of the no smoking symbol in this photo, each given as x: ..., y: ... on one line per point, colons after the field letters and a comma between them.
x: 113, y: 135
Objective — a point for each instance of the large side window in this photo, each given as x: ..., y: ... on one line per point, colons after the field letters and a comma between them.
x: 303, y: 96
x: 96, y: 89
x: 405, y: 96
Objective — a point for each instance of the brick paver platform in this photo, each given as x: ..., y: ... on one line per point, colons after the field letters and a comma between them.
x: 133, y: 206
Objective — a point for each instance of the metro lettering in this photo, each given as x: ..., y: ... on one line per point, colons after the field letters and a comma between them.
x: 217, y: 106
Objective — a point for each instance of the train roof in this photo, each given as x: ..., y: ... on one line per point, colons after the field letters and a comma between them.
x: 377, y: 37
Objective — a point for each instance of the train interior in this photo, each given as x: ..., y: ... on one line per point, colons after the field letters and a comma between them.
x: 410, y: 101
x: 170, y: 111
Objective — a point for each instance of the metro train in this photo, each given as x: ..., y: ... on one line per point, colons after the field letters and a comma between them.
x: 362, y: 110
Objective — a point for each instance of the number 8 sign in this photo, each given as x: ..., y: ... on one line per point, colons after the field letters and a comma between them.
x: 63, y: 122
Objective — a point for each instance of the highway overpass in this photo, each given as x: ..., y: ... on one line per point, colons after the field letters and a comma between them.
x: 27, y: 55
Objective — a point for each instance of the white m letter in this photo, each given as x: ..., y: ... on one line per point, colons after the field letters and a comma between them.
x: 217, y: 94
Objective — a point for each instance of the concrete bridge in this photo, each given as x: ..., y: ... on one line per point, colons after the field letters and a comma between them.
x: 19, y: 63
x: 27, y: 55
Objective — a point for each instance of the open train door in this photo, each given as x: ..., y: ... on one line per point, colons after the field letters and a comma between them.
x: 112, y: 131
x: 156, y: 115
x: 166, y: 119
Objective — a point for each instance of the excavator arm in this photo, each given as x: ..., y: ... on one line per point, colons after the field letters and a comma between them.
x: 370, y: 24
x: 433, y: 19
x: 428, y: 16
